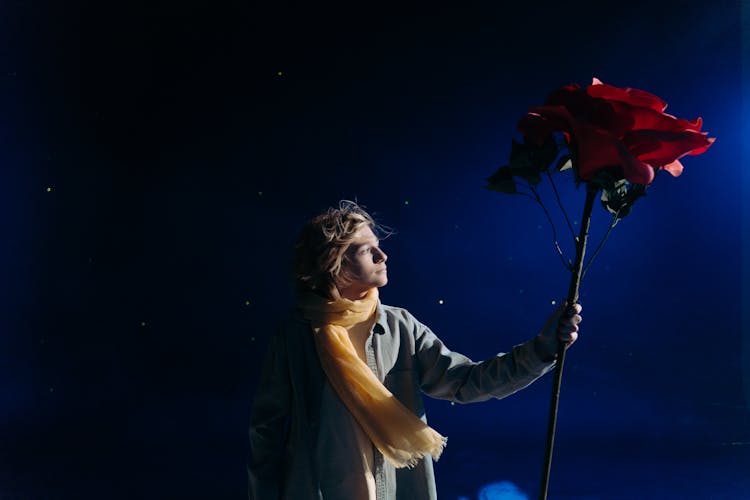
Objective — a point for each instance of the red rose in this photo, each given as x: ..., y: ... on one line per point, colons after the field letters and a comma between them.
x: 623, y: 131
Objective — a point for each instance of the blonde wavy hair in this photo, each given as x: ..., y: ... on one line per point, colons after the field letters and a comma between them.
x: 320, y: 254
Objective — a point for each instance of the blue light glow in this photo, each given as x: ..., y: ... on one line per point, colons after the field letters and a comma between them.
x: 504, y: 490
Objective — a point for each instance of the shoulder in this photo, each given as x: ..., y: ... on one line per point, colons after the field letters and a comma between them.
x: 398, y: 320
x: 395, y: 313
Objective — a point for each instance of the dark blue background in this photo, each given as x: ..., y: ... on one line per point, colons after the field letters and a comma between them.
x: 186, y: 143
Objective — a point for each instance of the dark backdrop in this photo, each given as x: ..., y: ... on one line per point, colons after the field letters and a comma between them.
x: 159, y: 158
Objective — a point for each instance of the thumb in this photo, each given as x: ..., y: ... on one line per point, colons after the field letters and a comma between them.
x: 562, y: 309
x: 554, y: 318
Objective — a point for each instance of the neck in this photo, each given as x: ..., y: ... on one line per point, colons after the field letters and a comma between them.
x: 354, y: 293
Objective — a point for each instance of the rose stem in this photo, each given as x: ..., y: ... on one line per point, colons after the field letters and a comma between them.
x: 575, y: 281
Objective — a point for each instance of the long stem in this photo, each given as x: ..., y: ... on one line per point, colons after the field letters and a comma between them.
x: 575, y: 281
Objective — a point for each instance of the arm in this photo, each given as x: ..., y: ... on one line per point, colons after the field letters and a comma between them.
x: 268, y: 423
x: 448, y: 375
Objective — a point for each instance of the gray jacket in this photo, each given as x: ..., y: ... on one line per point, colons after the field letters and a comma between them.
x: 302, y: 438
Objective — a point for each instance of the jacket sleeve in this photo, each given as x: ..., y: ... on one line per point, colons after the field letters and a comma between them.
x: 269, y: 423
x: 449, y: 375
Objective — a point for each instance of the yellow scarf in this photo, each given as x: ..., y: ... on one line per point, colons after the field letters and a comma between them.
x: 394, y: 429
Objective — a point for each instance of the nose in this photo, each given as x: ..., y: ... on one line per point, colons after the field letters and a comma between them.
x: 379, y: 255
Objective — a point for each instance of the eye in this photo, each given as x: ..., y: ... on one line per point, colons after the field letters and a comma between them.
x: 371, y: 249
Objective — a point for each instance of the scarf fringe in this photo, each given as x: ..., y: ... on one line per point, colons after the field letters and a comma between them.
x: 412, y: 461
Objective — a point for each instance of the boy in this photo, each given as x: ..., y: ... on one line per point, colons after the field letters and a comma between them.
x: 338, y: 413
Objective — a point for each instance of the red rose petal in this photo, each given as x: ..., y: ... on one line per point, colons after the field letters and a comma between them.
x: 646, y: 118
x: 613, y: 117
x: 670, y: 145
x: 675, y: 168
x: 634, y: 169
x: 596, y: 150
x: 621, y: 130
x: 564, y: 95
x: 535, y: 128
x: 703, y: 149
x: 545, y: 119
x: 633, y: 97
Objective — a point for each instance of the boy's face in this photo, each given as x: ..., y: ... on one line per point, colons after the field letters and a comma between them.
x: 366, y: 264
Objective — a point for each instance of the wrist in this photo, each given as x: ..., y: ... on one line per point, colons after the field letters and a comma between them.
x: 547, y: 351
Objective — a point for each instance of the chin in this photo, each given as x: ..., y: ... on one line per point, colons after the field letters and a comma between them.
x: 379, y: 279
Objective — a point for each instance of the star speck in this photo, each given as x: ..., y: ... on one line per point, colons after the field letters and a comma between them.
x: 247, y: 302
x: 279, y: 73
x: 143, y: 323
x: 49, y: 189
x: 554, y: 302
x: 406, y: 202
x: 441, y: 302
